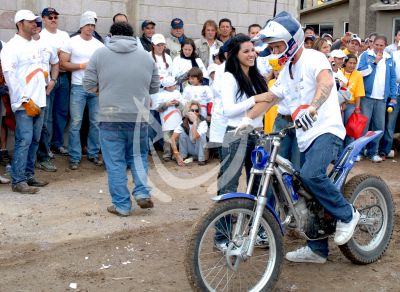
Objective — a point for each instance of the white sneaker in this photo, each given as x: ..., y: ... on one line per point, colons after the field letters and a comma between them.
x: 376, y: 158
x: 305, y: 255
x: 391, y: 154
x: 358, y: 158
x: 344, y: 231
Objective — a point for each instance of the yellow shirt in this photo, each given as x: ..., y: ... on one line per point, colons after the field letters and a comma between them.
x: 355, y: 84
x: 270, y: 116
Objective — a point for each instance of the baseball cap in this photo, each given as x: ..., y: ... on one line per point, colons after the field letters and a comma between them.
x: 158, y: 39
x: 356, y: 38
x: 49, y: 10
x: 168, y: 81
x: 24, y: 15
x: 177, y: 23
x: 338, y: 54
x: 212, y: 68
x: 310, y: 37
x: 146, y: 23
x: 327, y: 35
x: 86, y: 19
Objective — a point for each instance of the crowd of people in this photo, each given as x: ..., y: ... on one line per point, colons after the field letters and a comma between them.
x: 190, y: 94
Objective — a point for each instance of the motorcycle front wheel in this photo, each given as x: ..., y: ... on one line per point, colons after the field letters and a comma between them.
x: 216, y: 250
x: 372, y: 198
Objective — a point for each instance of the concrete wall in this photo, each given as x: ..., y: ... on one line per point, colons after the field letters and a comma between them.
x: 193, y: 12
x: 384, y: 20
x: 335, y: 15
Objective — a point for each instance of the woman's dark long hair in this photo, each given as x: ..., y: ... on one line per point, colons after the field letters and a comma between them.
x: 252, y: 85
x: 193, y: 56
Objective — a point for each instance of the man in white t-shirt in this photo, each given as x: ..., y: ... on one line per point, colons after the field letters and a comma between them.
x: 21, y: 61
x: 58, y: 105
x: 306, y: 85
x: 74, y: 57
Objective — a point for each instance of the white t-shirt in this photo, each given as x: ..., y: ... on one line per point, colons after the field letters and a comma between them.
x: 80, y: 51
x: 236, y: 108
x: 163, y: 71
x: 56, y: 40
x: 21, y: 61
x: 201, y: 129
x: 180, y: 66
x: 218, y: 120
x: 301, y: 90
x: 378, y: 90
x: 201, y: 93
x: 49, y: 56
x: 172, y: 116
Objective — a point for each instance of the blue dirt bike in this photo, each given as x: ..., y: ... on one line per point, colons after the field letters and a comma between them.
x: 241, y: 217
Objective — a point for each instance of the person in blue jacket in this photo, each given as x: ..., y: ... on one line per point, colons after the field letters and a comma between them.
x: 379, y: 75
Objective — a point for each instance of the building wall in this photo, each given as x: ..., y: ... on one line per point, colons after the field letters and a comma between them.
x: 335, y: 15
x: 384, y: 21
x: 193, y: 12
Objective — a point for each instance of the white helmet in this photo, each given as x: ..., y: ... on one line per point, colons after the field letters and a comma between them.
x: 286, y: 28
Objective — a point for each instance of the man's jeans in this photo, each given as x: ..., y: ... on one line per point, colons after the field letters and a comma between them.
x: 44, y: 146
x: 58, y: 110
x: 27, y: 136
x: 187, y: 147
x: 79, y: 99
x: 125, y: 144
x: 387, y: 140
x: 374, y: 110
x: 289, y: 148
x: 316, y: 160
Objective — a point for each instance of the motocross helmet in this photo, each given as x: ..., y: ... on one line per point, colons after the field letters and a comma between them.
x: 286, y: 28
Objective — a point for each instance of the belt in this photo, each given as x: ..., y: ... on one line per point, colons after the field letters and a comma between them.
x: 287, y: 118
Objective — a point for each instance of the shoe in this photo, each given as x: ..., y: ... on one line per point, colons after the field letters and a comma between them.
x: 201, y: 163
x: 51, y: 154
x: 61, y: 151
x: 73, y: 165
x: 33, y: 182
x: 344, y: 231
x: 4, y: 157
x: 146, y: 203
x: 4, y: 180
x: 46, y: 166
x: 358, y: 158
x: 305, y: 255
x: 113, y: 210
x: 96, y: 161
x: 376, y: 159
x: 166, y: 158
x: 23, y: 188
x: 391, y: 154
x: 262, y: 240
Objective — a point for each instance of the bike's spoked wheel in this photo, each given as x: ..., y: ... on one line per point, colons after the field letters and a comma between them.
x: 216, y: 256
x: 372, y: 198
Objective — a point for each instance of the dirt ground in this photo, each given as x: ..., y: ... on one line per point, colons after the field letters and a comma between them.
x: 63, y: 236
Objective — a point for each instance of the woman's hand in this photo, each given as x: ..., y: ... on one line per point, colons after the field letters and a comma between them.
x: 357, y: 110
x: 263, y: 97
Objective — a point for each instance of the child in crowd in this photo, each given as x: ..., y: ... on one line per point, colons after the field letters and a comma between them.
x: 170, y: 105
x: 196, y: 91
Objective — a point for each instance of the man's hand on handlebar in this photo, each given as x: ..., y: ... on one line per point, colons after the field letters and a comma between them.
x: 305, y: 118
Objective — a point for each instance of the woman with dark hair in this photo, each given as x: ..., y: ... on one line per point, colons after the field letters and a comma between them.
x: 208, y: 45
x: 187, y: 60
x: 243, y: 86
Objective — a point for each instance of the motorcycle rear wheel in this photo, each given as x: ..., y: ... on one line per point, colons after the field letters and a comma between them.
x: 373, y: 199
x: 207, y: 266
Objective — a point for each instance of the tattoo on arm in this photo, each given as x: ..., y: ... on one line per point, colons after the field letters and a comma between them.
x: 324, y: 87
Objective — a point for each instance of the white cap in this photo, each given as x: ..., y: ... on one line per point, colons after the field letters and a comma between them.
x: 24, y: 15
x: 90, y: 13
x: 168, y: 81
x: 338, y: 54
x: 354, y: 38
x: 212, y: 68
x: 86, y: 19
x: 158, y: 38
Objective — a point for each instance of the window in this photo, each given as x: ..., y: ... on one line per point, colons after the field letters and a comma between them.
x: 345, y: 27
x: 320, y: 29
x: 396, y: 27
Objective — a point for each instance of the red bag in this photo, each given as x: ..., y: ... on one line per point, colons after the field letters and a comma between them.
x: 356, y: 125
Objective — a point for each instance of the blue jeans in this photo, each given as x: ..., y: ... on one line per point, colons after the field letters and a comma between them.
x: 289, y: 148
x: 350, y: 108
x: 374, y: 110
x: 187, y: 147
x: 79, y: 99
x: 44, y: 146
x: 125, y: 144
x: 387, y: 140
x: 316, y: 160
x: 27, y: 136
x: 58, y: 110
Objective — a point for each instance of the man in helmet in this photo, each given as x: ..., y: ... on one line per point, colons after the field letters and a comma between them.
x: 306, y: 86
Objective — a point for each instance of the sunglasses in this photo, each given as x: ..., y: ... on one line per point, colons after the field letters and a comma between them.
x: 195, y: 110
x: 52, y: 17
